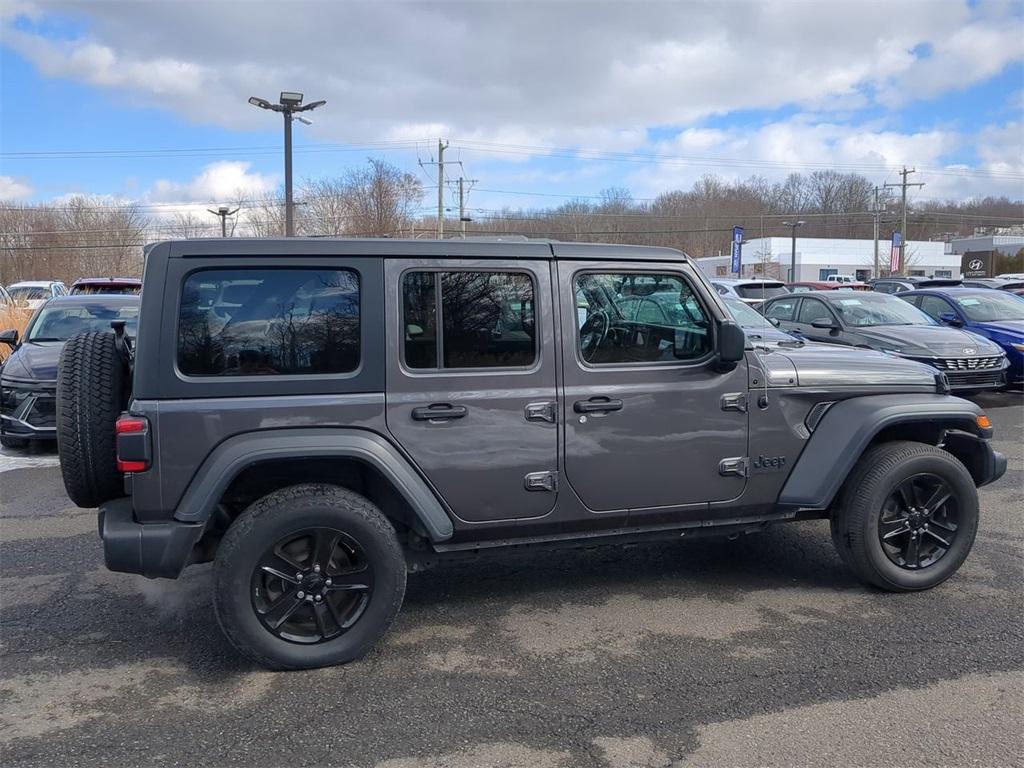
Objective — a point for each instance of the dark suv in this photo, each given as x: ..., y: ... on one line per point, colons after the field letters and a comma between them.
x: 320, y: 417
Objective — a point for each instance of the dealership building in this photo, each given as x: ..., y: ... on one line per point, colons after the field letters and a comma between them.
x: 819, y: 257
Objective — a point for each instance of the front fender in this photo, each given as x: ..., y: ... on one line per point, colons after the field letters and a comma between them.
x: 234, y: 455
x: 848, y: 428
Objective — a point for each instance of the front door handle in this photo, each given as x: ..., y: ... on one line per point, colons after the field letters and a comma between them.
x: 597, y: 405
x: 439, y: 412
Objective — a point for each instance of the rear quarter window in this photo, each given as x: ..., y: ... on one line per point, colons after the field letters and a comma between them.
x: 264, y: 322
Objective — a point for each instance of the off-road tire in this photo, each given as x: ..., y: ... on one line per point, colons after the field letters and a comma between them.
x: 855, y: 522
x: 90, y: 397
x: 277, y: 515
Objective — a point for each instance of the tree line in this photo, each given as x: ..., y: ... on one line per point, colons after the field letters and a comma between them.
x: 85, y: 236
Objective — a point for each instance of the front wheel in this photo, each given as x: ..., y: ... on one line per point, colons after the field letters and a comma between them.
x: 308, y: 576
x: 907, y: 517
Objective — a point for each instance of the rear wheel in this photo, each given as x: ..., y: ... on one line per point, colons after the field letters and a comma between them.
x: 907, y: 518
x: 90, y: 397
x: 308, y: 576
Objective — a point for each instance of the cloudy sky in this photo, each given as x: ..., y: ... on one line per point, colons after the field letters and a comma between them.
x: 541, y: 101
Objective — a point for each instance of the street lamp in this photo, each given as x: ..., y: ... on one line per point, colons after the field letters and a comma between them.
x: 290, y: 103
x: 223, y: 212
x: 792, y: 256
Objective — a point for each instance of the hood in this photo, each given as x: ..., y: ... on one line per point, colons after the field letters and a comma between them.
x: 1009, y: 327
x: 34, y: 360
x: 830, y: 365
x: 929, y: 340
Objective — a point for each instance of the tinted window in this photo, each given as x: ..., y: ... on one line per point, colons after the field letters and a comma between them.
x: 783, y: 309
x: 640, y: 318
x: 488, y: 320
x: 761, y: 291
x: 251, y: 322
x: 811, y: 310
x: 934, y: 306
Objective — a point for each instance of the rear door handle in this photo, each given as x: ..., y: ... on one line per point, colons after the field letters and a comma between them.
x: 597, y: 405
x: 439, y: 412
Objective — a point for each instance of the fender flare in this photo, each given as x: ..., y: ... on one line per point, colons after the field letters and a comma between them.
x: 238, y: 453
x: 849, y: 426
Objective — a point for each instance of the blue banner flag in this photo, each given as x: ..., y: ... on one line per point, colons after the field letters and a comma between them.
x: 737, y: 249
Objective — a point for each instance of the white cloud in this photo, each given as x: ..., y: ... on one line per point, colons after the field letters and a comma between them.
x: 218, y: 182
x: 560, y: 73
x: 13, y: 189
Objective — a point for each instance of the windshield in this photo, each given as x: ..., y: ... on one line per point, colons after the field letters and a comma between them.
x: 745, y: 315
x: 868, y: 309
x: 61, y: 322
x: 29, y: 293
x: 757, y: 291
x: 991, y: 305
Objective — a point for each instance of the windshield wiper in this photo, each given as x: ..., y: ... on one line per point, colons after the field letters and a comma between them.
x: 44, y: 338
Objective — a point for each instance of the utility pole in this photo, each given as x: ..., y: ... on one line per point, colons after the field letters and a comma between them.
x: 463, y: 218
x: 903, y: 190
x: 441, y: 147
x: 222, y: 212
x: 875, y: 213
x: 792, y: 254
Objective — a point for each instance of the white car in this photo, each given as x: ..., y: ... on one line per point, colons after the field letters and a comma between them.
x: 752, y: 290
x: 841, y: 279
x: 34, y: 293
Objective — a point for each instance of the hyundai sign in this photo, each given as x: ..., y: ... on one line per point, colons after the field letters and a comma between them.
x: 737, y: 249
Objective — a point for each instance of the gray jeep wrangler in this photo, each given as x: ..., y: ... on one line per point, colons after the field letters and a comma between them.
x: 320, y: 417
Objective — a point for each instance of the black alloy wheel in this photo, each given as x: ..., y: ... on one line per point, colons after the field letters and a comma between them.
x: 312, y: 586
x: 919, y: 521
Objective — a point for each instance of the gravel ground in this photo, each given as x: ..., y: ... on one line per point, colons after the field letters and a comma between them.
x: 758, y: 652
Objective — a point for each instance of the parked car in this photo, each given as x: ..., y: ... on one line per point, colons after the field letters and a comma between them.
x: 751, y: 290
x: 995, y: 315
x: 877, y: 321
x: 898, y: 284
x: 33, y: 293
x: 821, y: 285
x: 1011, y: 276
x: 756, y: 326
x: 6, y: 300
x: 106, y: 285
x: 841, y: 279
x: 370, y: 407
x: 998, y: 283
x: 28, y: 379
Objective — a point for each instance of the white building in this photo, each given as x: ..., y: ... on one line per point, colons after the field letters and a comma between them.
x: 819, y: 257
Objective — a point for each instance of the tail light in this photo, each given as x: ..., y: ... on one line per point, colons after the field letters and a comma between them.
x: 133, y: 449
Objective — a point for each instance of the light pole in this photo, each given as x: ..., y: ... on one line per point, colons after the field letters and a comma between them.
x: 792, y: 256
x: 223, y: 212
x: 290, y: 103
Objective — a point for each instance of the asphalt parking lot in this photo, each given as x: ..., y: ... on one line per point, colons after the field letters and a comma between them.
x: 762, y: 651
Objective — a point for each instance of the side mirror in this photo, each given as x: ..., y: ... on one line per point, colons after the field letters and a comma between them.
x: 9, y: 337
x: 949, y: 318
x: 824, y: 324
x: 731, y: 345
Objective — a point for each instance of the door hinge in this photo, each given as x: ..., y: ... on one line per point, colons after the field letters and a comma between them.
x: 540, y: 412
x: 735, y: 401
x: 541, y: 481
x: 738, y: 466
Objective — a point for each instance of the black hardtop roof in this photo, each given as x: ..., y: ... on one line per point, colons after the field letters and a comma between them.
x: 470, y: 248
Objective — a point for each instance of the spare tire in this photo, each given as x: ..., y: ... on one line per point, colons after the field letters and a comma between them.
x: 90, y: 397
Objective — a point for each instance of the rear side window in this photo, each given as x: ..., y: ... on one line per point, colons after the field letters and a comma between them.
x: 486, y: 320
x: 759, y: 291
x: 264, y: 322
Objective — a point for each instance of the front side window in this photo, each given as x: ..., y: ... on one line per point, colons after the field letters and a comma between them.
x: 486, y: 319
x: 783, y: 309
x: 253, y: 322
x: 934, y: 306
x: 811, y: 310
x: 640, y: 318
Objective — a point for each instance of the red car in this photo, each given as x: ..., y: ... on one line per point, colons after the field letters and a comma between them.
x: 107, y: 285
x: 821, y: 285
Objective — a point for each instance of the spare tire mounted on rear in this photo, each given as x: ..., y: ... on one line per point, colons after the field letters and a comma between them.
x: 92, y: 391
